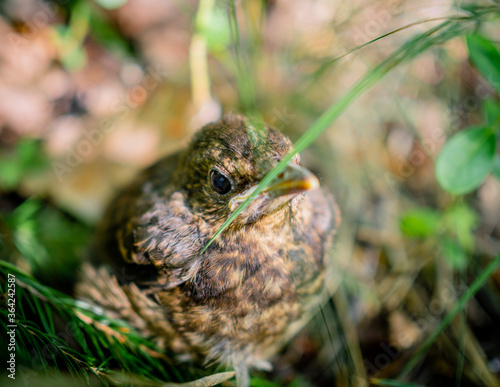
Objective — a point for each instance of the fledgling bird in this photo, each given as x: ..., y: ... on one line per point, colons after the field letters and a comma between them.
x: 255, y: 286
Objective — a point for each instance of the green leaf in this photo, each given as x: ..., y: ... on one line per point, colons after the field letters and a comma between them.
x: 421, y: 222
x: 486, y: 58
x: 496, y: 167
x: 10, y: 174
x: 111, y: 4
x: 460, y: 220
x: 27, y: 158
x: 217, y: 31
x: 75, y: 58
x: 103, y: 31
x: 491, y: 109
x: 465, y: 160
x: 71, y: 52
x: 453, y: 253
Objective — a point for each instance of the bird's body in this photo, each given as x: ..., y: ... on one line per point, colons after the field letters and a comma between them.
x: 253, y: 287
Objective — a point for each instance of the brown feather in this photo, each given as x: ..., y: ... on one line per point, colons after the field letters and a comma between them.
x: 253, y: 287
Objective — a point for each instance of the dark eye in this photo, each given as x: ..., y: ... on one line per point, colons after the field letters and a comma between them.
x: 220, y: 183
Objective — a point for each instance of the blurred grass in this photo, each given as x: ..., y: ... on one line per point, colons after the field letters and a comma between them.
x: 440, y: 34
x: 460, y: 305
x: 44, y: 241
x: 418, y: 238
x: 61, y: 332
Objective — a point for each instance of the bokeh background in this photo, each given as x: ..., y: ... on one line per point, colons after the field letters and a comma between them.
x: 93, y: 91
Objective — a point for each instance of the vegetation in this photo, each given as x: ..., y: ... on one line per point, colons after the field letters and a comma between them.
x: 415, y: 290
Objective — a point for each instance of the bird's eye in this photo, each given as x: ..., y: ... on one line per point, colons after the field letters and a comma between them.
x: 220, y: 183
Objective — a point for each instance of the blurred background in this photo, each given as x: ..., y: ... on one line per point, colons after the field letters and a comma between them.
x: 91, y: 92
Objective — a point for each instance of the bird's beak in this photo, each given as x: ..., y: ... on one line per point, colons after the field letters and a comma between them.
x: 294, y: 180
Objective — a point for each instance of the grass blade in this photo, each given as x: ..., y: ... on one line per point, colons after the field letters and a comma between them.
x: 473, y: 289
x: 244, y: 77
x: 437, y: 35
x: 393, y: 383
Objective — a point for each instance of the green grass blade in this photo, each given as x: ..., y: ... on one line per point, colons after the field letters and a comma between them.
x: 244, y: 77
x: 131, y: 353
x: 473, y: 289
x: 447, y: 30
x: 393, y: 383
x: 461, y: 350
x: 327, y: 63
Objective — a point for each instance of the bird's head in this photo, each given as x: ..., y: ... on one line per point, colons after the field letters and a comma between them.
x: 225, y: 162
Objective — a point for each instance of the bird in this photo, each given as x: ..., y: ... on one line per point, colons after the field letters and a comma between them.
x: 255, y: 286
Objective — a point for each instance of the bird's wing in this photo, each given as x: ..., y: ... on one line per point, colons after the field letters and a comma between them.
x: 149, y: 227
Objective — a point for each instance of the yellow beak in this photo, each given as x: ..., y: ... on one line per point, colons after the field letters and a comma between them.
x: 293, y: 181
